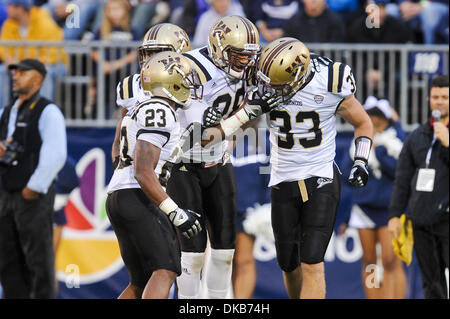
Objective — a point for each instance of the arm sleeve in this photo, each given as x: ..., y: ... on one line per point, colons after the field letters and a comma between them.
x: 404, y: 173
x: 53, y: 151
x: 126, y: 92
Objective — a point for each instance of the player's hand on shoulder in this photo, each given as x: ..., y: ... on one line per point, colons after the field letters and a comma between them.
x: 211, y: 117
x: 359, y: 174
x: 186, y: 221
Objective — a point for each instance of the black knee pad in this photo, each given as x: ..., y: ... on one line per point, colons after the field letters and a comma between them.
x: 314, y: 245
x: 288, y: 255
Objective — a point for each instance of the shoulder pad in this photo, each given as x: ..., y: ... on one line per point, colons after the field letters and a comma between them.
x: 335, y: 77
x: 126, y: 88
x: 202, y: 71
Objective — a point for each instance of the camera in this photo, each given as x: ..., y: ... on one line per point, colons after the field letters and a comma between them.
x: 13, y: 149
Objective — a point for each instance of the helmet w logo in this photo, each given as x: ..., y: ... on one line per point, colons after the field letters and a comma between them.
x: 180, y: 36
x: 292, y: 69
x: 170, y: 63
x: 222, y: 29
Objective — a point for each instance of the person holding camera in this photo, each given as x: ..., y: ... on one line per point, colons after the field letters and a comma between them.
x: 33, y: 149
x: 421, y: 184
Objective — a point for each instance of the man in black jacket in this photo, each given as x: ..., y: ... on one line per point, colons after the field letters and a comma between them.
x: 33, y: 148
x: 421, y: 183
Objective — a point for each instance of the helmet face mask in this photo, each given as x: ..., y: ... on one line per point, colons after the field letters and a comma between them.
x: 233, y: 45
x: 170, y: 75
x: 163, y: 37
x: 239, y: 61
x: 283, y: 68
x: 284, y: 90
x: 193, y: 83
x: 145, y: 52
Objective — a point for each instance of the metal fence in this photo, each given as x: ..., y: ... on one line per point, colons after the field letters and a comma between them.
x: 84, y: 82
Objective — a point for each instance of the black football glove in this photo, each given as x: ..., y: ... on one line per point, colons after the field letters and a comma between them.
x: 186, y: 221
x: 258, y: 105
x: 166, y: 169
x: 211, y: 117
x: 359, y: 175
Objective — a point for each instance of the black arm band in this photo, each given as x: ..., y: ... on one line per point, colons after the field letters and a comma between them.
x: 363, y: 144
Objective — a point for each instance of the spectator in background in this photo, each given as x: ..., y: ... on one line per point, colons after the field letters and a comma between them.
x: 426, y: 15
x: 115, y: 28
x: 176, y: 11
x: 422, y: 185
x: 347, y: 9
x: 73, y: 16
x: 28, y: 23
x: 376, y: 26
x: 147, y: 13
x: 442, y: 35
x: 249, y: 8
x: 382, y: 27
x: 143, y: 15
x: 315, y: 23
x: 192, y: 10
x: 218, y: 9
x: 272, y: 15
x: 370, y: 205
x: 28, y: 191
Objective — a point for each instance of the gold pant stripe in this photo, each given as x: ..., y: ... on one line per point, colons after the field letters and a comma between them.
x: 303, y: 191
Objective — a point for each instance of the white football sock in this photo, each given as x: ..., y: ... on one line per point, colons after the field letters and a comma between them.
x: 189, y: 281
x: 218, y: 275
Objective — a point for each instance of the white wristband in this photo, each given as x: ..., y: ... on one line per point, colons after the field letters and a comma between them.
x: 231, y: 124
x: 168, y: 206
x: 363, y: 146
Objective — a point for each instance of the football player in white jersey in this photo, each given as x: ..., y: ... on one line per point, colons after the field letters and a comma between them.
x: 141, y: 213
x: 202, y: 181
x: 301, y: 97
x: 160, y: 37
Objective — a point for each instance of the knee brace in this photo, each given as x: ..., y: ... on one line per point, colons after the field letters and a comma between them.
x: 288, y: 255
x: 218, y: 277
x: 189, y: 280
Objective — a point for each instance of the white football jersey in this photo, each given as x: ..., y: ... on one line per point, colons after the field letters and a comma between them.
x: 130, y: 93
x: 303, y: 129
x: 219, y: 91
x: 153, y: 121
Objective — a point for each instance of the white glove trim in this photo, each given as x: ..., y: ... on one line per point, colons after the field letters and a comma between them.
x: 168, y: 206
